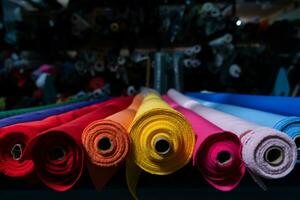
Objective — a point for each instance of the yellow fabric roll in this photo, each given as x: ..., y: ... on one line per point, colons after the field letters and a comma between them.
x: 162, y: 141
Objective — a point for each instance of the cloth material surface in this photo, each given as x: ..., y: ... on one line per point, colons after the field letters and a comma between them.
x: 14, y: 138
x: 8, y: 113
x: 273, y: 104
x: 217, y: 153
x: 107, y: 143
x: 258, y: 141
x: 58, y: 153
x: 286, y: 124
x: 162, y: 141
x: 39, y: 115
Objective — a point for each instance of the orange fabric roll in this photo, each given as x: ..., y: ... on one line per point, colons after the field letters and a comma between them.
x: 107, y: 143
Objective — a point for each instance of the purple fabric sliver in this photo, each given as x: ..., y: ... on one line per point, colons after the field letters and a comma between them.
x: 38, y: 115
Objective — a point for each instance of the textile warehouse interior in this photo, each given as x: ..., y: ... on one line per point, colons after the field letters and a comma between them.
x: 151, y: 99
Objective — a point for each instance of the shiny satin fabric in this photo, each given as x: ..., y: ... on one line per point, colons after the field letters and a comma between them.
x: 266, y: 152
x: 58, y: 153
x: 217, y: 153
x: 107, y: 143
x: 162, y: 141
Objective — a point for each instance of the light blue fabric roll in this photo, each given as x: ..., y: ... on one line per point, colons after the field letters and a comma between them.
x: 289, y: 106
x: 288, y: 125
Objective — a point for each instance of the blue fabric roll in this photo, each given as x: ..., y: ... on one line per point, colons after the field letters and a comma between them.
x: 39, y: 115
x: 286, y: 124
x: 289, y: 106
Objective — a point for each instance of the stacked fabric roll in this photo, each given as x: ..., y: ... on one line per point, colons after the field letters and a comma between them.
x: 107, y: 143
x: 162, y: 141
x: 287, y: 124
x: 217, y: 153
x: 272, y: 104
x: 266, y: 152
x: 15, y: 138
x: 148, y: 133
x: 58, y: 154
x: 9, y: 113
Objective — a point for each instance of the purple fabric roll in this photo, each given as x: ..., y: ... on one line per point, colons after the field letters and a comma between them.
x: 38, y: 115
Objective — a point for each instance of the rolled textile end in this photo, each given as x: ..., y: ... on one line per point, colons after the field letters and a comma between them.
x: 106, y: 143
x: 291, y: 126
x: 269, y: 153
x: 11, y: 151
x: 60, y: 160
x: 220, y: 161
x: 217, y: 153
x: 163, y: 141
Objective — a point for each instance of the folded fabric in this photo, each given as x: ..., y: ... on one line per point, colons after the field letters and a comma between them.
x: 266, y: 152
x: 162, y: 141
x: 39, y: 115
x: 273, y: 104
x: 8, y: 113
x: 288, y: 125
x: 14, y: 138
x: 217, y: 153
x: 58, y: 153
x: 107, y: 143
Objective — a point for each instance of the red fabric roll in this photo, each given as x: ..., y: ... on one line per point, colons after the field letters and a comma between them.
x: 58, y: 153
x: 217, y: 152
x: 14, y: 138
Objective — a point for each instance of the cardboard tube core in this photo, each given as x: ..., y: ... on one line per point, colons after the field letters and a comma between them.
x: 223, y: 157
x: 57, y: 153
x: 104, y: 144
x: 274, y: 155
x: 16, y: 151
x: 162, y: 146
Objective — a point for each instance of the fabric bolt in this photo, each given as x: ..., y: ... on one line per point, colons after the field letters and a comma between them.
x: 39, y: 115
x: 217, y: 153
x: 14, y: 138
x: 273, y: 104
x: 107, y: 143
x: 266, y: 152
x: 286, y: 124
x: 58, y: 153
x: 162, y: 141
x: 9, y: 113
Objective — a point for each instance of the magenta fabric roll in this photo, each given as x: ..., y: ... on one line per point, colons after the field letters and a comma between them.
x: 266, y: 152
x: 217, y: 153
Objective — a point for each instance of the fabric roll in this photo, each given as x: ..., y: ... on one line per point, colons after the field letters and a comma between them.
x: 162, y: 141
x: 286, y: 124
x: 217, y: 153
x: 9, y: 113
x: 266, y: 152
x: 39, y: 115
x: 273, y: 104
x: 107, y: 143
x: 58, y: 153
x: 15, y: 138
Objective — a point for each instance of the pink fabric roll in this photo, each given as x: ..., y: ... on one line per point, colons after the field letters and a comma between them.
x: 217, y: 153
x: 266, y: 152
